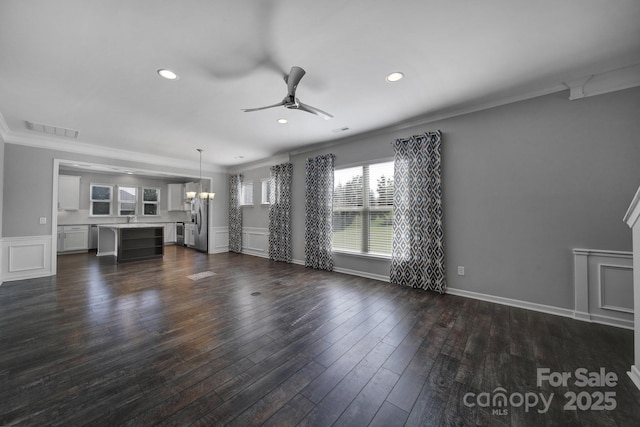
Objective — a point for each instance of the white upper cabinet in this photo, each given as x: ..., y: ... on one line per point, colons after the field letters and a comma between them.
x: 68, y: 193
x: 175, y: 197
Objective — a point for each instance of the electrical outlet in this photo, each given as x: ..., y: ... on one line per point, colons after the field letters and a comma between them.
x: 460, y: 270
x: 43, y: 220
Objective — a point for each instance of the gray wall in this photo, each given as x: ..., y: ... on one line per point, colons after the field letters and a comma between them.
x: 524, y: 183
x: 256, y: 215
x: 28, y: 187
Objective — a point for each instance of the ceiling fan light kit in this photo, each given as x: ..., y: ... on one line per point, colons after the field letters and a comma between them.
x: 290, y: 101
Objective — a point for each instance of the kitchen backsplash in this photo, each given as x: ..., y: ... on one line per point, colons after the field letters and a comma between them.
x: 82, y: 217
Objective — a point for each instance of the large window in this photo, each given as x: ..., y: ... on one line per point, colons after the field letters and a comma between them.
x: 363, y: 208
x: 127, y: 200
x: 266, y: 191
x: 150, y: 200
x: 246, y: 194
x: 101, y: 198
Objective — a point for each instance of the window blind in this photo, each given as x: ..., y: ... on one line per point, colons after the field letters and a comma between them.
x: 363, y: 208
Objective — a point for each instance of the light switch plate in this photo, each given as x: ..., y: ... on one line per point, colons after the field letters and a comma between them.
x: 43, y: 220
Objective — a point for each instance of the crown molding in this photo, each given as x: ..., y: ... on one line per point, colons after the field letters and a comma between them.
x: 431, y: 118
x: 605, y: 82
x: 270, y: 161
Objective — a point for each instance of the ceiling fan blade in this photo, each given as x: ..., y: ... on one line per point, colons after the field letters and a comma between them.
x: 314, y: 110
x: 294, y: 77
x: 248, y: 110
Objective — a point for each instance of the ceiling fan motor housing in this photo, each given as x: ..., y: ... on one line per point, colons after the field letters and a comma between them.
x: 291, y: 102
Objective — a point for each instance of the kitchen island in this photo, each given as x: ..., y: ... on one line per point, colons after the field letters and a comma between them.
x: 131, y: 242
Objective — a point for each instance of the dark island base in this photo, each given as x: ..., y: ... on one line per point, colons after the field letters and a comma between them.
x: 135, y: 244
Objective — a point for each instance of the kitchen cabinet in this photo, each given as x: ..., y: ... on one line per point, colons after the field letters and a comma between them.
x: 175, y: 197
x: 189, y: 234
x: 60, y: 239
x: 68, y: 193
x: 170, y: 232
x: 73, y: 238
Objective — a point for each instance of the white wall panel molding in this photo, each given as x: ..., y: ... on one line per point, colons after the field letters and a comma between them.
x: 255, y: 241
x: 603, y: 282
x: 616, y: 287
x: 26, y: 257
x: 220, y: 241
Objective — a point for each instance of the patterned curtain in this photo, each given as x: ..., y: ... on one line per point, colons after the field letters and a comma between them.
x: 235, y: 214
x: 280, y: 213
x: 318, y: 215
x: 417, y: 257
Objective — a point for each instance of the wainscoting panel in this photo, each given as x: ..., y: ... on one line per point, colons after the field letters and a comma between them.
x: 616, y: 288
x: 220, y: 242
x: 255, y: 241
x: 604, y: 286
x: 26, y: 257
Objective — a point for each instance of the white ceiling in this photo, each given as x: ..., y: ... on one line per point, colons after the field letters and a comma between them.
x: 91, y: 66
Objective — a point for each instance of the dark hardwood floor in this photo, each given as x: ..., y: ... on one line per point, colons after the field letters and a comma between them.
x: 265, y: 343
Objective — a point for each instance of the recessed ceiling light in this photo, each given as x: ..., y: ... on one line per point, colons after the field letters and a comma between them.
x: 128, y: 172
x: 395, y: 76
x: 167, y: 74
x: 283, y: 121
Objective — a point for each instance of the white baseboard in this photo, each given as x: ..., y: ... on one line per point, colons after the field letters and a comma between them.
x: 368, y: 275
x: 549, y: 309
x: 612, y: 321
x: 260, y: 254
x: 26, y: 257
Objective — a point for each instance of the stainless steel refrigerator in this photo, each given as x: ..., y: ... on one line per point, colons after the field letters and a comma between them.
x: 199, y: 218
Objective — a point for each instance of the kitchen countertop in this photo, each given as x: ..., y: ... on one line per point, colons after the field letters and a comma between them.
x: 131, y: 225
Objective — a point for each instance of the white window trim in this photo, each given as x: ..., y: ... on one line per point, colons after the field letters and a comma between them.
x: 143, y: 202
x: 91, y: 200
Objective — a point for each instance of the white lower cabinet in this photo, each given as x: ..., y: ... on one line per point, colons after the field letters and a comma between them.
x: 189, y: 234
x: 73, y: 238
x: 170, y: 232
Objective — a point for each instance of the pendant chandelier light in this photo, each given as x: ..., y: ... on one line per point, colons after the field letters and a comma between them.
x: 201, y: 194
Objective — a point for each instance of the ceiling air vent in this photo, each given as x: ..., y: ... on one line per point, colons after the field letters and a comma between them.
x: 344, y: 129
x: 52, y: 130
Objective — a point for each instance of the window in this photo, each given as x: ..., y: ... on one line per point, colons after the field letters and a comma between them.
x: 101, y: 198
x: 266, y: 191
x: 363, y: 208
x: 150, y: 200
x: 127, y: 200
x: 246, y: 194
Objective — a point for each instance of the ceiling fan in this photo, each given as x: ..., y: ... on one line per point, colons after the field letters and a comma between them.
x: 290, y: 101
